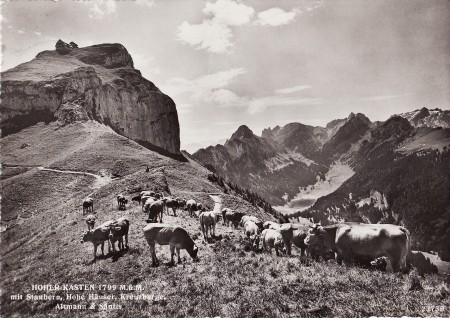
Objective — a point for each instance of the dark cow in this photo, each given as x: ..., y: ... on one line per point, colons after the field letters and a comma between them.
x: 359, y: 240
x: 193, y: 206
x: 165, y: 234
x: 234, y: 217
x: 155, y: 209
x: 121, y: 202
x: 88, y: 205
x: 117, y: 230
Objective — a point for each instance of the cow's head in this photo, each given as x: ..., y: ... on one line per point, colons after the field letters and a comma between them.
x: 194, y: 253
x: 181, y: 202
x: 279, y: 244
x: 217, y: 216
x: 315, y: 235
x: 87, y: 236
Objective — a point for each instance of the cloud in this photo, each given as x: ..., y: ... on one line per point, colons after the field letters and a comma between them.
x: 101, y: 8
x: 211, y: 36
x: 184, y: 108
x: 229, y: 12
x: 260, y: 104
x: 290, y: 90
x: 276, y: 17
x: 208, y: 89
x: 381, y: 97
x: 148, y: 3
x: 214, y: 33
x: 37, y: 33
x: 21, y: 31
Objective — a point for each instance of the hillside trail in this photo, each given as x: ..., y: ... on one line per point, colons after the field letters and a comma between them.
x: 217, y: 202
x: 100, y: 180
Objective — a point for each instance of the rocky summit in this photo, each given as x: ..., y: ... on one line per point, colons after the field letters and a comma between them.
x: 97, y: 82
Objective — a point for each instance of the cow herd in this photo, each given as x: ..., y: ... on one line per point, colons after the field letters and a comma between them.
x: 367, y: 244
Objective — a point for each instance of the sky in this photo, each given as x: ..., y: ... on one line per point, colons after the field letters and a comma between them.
x: 260, y: 63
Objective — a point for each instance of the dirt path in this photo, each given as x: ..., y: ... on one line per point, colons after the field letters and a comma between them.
x: 217, y: 202
x: 100, y: 180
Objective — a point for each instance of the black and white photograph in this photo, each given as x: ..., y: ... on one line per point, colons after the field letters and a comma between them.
x: 225, y: 158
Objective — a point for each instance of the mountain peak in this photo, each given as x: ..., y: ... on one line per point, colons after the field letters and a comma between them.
x: 242, y: 132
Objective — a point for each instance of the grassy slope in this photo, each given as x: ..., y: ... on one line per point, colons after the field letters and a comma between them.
x: 44, y: 247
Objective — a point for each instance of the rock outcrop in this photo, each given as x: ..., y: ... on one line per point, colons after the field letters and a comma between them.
x: 99, y: 81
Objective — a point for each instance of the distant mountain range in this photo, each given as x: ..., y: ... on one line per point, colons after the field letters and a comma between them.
x: 403, y: 161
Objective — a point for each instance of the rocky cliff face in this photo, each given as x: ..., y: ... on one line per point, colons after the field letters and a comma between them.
x: 97, y: 82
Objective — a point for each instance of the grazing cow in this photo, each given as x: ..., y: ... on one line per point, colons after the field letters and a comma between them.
x: 155, y: 209
x: 191, y: 206
x: 200, y: 207
x: 90, y: 221
x: 88, y: 205
x: 136, y: 198
x: 98, y: 236
x: 117, y: 230
x: 257, y: 221
x: 231, y: 216
x: 174, y: 204
x: 253, y: 234
x: 148, y: 202
x: 208, y: 221
x: 359, y: 240
x: 144, y: 200
x: 287, y: 232
x: 121, y: 202
x: 272, y: 239
x: 165, y: 234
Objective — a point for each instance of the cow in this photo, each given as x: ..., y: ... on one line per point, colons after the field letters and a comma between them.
x: 257, y: 221
x: 272, y: 239
x: 174, y: 204
x: 229, y: 215
x: 90, y: 221
x: 287, y: 233
x: 251, y: 230
x: 117, y: 230
x: 144, y: 200
x: 148, y: 202
x: 88, y: 205
x: 147, y: 193
x: 155, y: 209
x: 176, y: 237
x: 271, y: 225
x: 354, y: 240
x: 208, y: 221
x: 191, y: 206
x: 98, y: 236
x: 121, y: 202
x: 136, y: 198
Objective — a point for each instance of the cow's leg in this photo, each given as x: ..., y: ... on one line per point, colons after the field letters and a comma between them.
x: 172, y: 251
x: 213, y: 227
x: 95, y: 251
x: 160, y: 217
x: 178, y: 254
x: 174, y: 211
x: 109, y: 246
x: 302, y: 251
x: 153, y: 253
x: 126, y: 241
